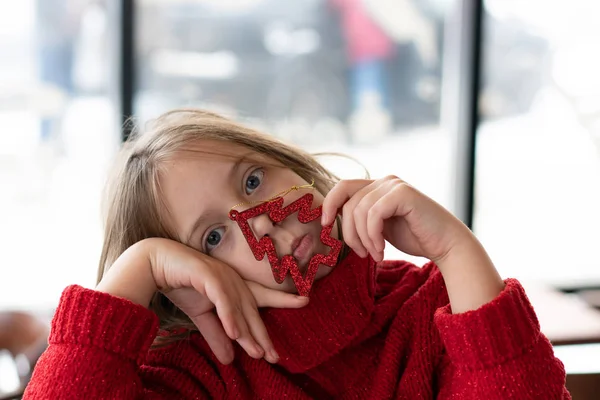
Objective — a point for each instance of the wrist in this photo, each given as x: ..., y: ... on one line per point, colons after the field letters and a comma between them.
x: 470, y: 275
x: 463, y: 242
x: 130, y: 277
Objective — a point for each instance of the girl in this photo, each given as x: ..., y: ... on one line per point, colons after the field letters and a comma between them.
x: 178, y: 281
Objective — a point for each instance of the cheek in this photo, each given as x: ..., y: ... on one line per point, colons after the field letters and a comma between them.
x: 335, y: 231
x: 237, y: 254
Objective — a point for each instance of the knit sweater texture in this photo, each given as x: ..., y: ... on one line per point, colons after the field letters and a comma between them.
x: 370, y: 331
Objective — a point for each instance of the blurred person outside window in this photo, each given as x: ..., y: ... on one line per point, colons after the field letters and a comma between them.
x: 373, y: 29
x: 368, y: 48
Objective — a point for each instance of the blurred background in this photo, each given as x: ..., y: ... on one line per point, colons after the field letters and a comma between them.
x: 491, y: 107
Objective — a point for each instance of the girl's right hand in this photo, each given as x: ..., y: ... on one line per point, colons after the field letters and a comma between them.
x: 197, y: 283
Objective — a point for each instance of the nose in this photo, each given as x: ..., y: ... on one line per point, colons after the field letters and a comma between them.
x: 262, y: 225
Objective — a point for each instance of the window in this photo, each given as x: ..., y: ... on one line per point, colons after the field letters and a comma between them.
x: 361, y: 77
x: 538, y: 146
x: 57, y: 131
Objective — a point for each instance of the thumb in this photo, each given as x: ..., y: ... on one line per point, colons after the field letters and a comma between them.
x: 266, y: 297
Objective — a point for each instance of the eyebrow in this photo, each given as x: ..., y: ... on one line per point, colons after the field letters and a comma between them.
x: 205, y: 216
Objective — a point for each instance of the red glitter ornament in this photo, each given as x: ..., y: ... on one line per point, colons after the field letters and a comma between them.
x: 281, y: 266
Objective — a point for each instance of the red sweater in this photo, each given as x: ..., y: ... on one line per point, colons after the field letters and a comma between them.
x: 368, y: 333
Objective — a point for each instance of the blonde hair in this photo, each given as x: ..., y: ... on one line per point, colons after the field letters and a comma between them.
x: 133, y: 207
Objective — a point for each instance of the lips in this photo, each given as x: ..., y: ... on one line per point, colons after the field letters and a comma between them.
x: 301, y: 248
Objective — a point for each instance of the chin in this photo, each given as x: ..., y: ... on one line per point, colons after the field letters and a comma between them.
x: 322, y: 272
x: 288, y: 284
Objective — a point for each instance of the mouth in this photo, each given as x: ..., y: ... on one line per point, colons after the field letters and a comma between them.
x: 301, y: 249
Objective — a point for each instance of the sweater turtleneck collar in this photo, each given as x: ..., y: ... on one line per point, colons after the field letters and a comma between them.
x: 340, y: 308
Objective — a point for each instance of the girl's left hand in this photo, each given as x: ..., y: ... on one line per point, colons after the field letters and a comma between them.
x: 390, y: 209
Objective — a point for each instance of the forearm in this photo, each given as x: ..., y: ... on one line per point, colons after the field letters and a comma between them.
x: 470, y: 276
x: 130, y: 277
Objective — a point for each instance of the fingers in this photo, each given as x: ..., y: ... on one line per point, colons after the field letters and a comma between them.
x: 213, y: 283
x: 346, y: 195
x: 355, y: 210
x: 365, y: 207
x: 378, y: 213
x: 338, y: 196
x: 259, y: 333
x: 211, y: 329
x: 350, y: 233
x: 364, y: 217
x: 241, y: 320
x: 394, y: 201
x: 266, y: 297
x: 235, y: 324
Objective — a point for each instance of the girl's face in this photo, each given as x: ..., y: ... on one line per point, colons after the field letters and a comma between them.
x: 200, y: 191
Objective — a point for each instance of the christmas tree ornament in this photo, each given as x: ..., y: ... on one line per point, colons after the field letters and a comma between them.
x: 281, y: 266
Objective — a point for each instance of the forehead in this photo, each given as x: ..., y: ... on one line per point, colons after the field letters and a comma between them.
x: 204, y: 162
x: 198, y: 180
x: 215, y: 151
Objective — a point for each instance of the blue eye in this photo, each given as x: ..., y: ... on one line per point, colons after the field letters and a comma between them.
x: 254, y: 180
x: 214, y: 237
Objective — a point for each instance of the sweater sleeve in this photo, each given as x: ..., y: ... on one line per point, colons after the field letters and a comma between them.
x: 498, y: 352
x: 97, y: 347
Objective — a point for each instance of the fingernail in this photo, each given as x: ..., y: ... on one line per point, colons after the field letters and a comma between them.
x: 259, y: 350
x: 235, y: 332
x: 324, y: 219
x: 229, y: 357
x: 274, y: 355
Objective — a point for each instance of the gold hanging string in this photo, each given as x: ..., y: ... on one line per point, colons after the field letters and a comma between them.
x: 280, y: 194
